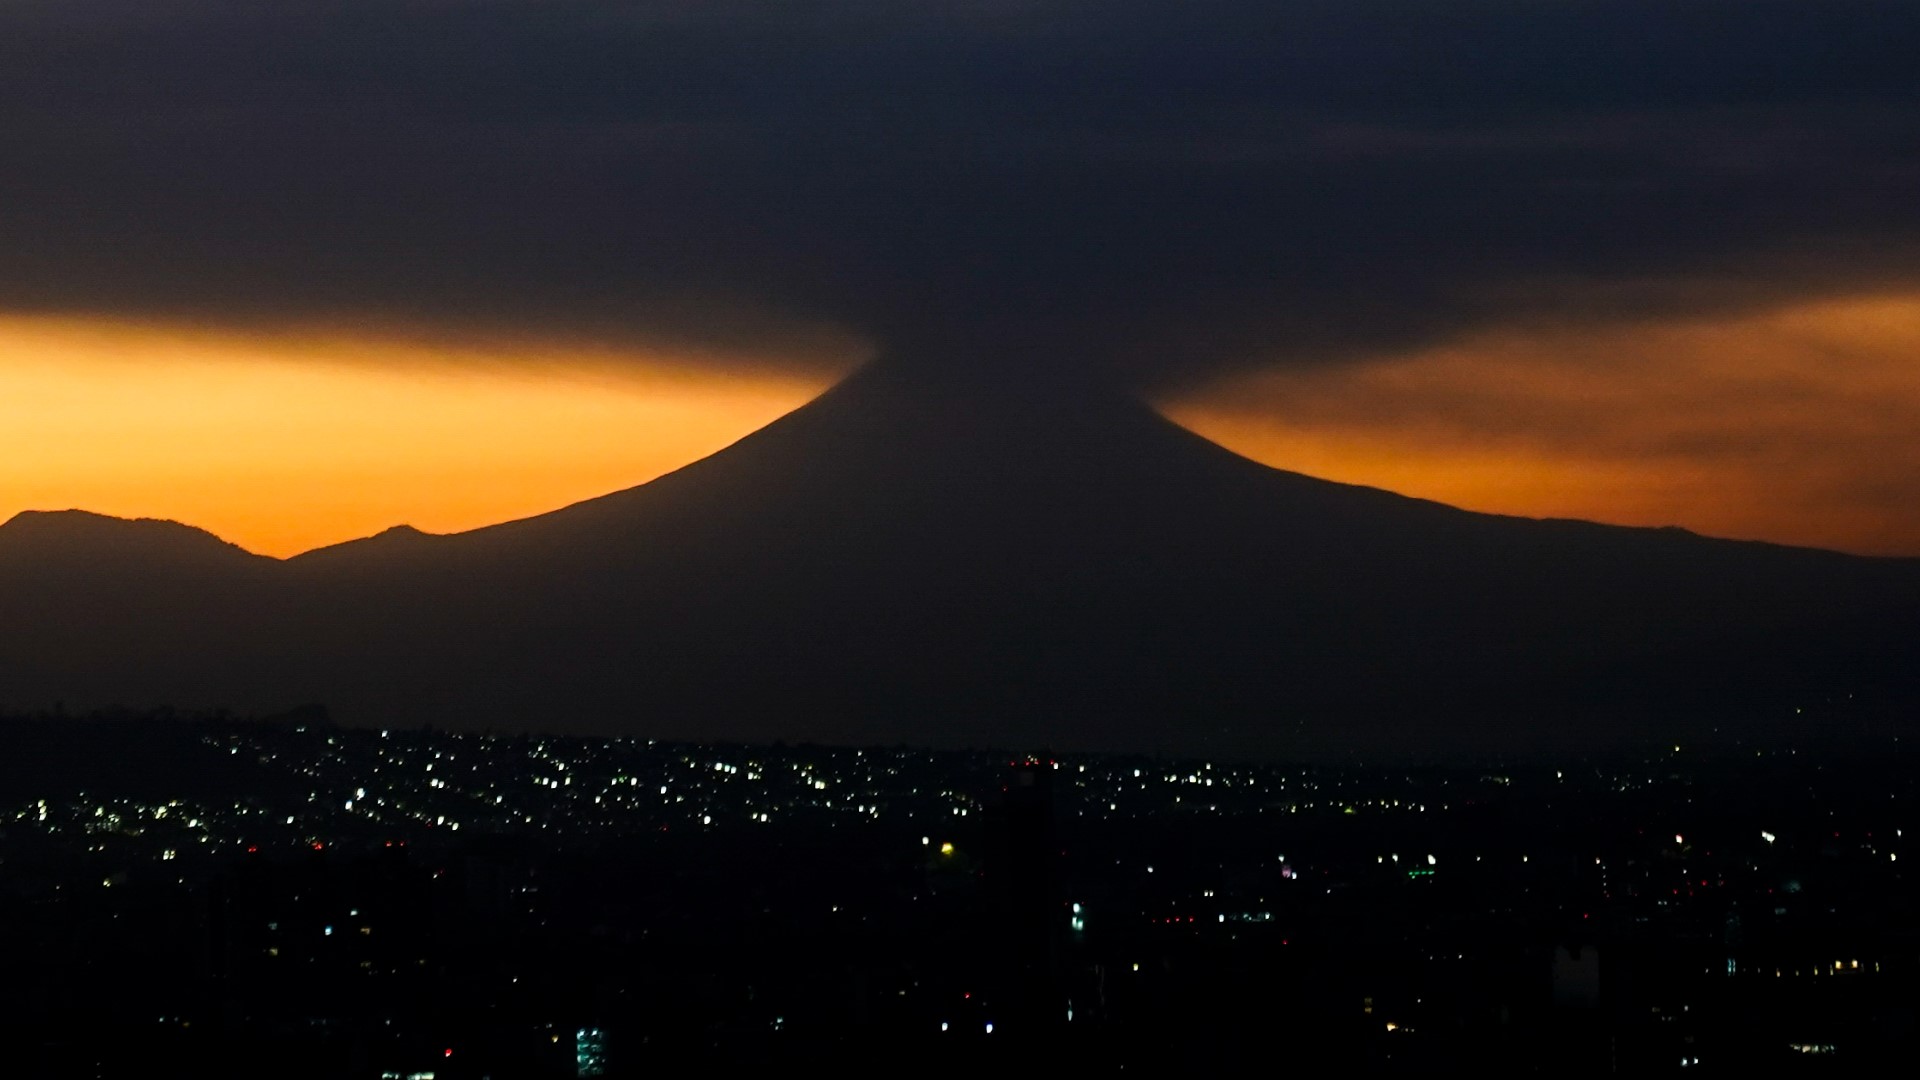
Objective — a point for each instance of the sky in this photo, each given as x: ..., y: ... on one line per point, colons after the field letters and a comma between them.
x: 297, y: 272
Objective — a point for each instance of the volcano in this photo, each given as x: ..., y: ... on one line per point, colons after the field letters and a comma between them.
x: 921, y: 559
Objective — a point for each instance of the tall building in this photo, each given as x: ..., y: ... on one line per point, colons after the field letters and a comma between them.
x: 1024, y: 869
x: 590, y: 1052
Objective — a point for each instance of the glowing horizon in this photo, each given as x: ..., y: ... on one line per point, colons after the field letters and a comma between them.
x: 1793, y: 426
x: 1799, y: 425
x: 282, y: 443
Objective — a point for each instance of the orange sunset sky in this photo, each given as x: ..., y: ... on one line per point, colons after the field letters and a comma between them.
x: 1799, y: 424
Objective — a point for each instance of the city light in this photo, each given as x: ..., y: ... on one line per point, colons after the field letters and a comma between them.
x: 499, y: 788
x: 590, y: 1052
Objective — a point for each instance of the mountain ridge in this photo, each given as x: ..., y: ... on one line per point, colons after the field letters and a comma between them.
x: 69, y: 530
x: 933, y: 399
x: 919, y: 561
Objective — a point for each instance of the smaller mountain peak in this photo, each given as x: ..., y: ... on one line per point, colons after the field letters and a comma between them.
x: 86, y: 522
x: 85, y: 533
x: 63, y: 519
x: 391, y: 538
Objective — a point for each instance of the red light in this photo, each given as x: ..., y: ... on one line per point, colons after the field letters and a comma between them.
x: 318, y: 846
x: 448, y: 1052
x: 253, y: 849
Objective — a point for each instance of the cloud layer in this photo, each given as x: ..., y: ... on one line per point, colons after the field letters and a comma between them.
x: 1162, y: 190
x: 1629, y: 259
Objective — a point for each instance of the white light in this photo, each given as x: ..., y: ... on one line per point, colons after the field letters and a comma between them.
x: 1431, y: 860
x: 943, y: 1025
x: 989, y: 1027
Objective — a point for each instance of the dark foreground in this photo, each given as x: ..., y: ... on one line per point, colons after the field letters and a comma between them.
x: 290, y: 899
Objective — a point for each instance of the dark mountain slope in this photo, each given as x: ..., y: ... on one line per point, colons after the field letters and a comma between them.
x: 910, y: 560
x: 97, y: 609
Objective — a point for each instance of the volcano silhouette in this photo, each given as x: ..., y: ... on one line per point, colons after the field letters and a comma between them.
x: 926, y: 559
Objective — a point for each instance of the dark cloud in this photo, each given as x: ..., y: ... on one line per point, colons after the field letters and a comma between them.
x: 1159, y: 189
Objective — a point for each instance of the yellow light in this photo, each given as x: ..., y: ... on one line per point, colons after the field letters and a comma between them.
x: 283, y: 440
x: 1638, y: 421
x: 946, y: 848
